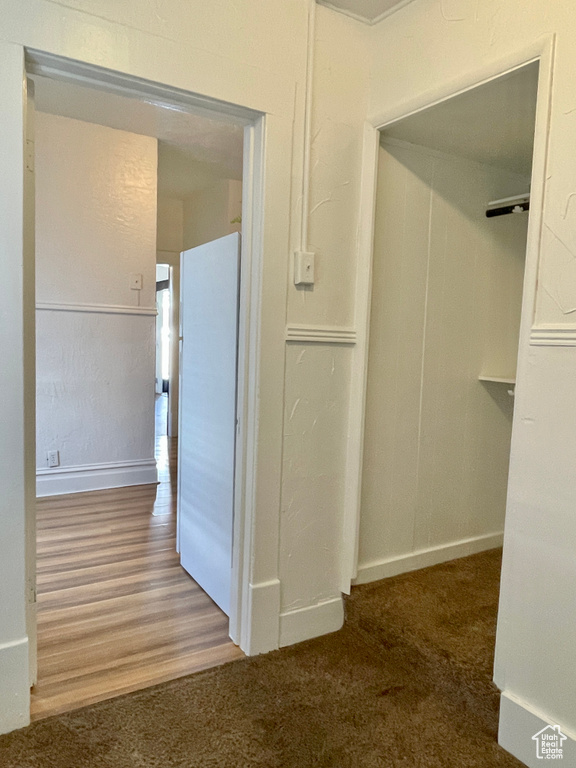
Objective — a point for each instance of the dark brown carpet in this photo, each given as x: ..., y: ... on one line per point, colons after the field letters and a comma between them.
x: 406, y: 683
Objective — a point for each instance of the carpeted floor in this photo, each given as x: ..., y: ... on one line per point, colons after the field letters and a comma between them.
x: 406, y: 683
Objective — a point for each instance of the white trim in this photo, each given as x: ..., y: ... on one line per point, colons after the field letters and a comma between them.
x: 365, y: 19
x: 541, y: 50
x: 553, y: 336
x: 519, y: 722
x: 359, y: 368
x: 95, y: 477
x: 15, y: 698
x: 67, y: 70
x: 423, y: 558
x: 105, y: 309
x: 311, y: 621
x: 261, y: 131
x: 262, y: 603
x: 321, y: 334
x: 253, y: 622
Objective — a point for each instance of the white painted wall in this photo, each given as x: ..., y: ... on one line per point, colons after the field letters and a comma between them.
x: 314, y: 459
x: 232, y: 55
x: 317, y: 372
x: 209, y: 213
x: 95, y: 225
x: 253, y: 54
x: 16, y: 376
x: 170, y: 223
x: 339, y: 108
x: 426, y: 47
x: 446, y: 301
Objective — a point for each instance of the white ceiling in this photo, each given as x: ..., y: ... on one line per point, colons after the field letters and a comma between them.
x: 369, y: 11
x: 491, y: 124
x: 193, y: 149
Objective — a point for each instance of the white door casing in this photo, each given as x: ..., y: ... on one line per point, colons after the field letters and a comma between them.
x: 30, y: 443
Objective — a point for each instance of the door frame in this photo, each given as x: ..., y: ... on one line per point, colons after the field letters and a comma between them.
x: 542, y: 50
x: 47, y: 65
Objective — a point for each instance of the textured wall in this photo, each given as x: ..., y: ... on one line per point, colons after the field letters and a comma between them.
x: 317, y: 374
x: 423, y: 48
x: 96, y: 224
x: 169, y: 231
x: 248, y: 53
x: 208, y: 213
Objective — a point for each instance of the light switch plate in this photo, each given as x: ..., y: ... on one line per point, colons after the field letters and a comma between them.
x: 303, y: 268
x: 135, y: 281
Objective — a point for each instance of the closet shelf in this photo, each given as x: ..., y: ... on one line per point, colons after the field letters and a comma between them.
x: 496, y: 379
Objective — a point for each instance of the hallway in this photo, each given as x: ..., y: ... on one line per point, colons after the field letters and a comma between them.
x: 116, y: 612
x: 406, y: 683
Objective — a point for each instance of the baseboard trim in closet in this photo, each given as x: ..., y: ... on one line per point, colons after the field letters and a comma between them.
x: 423, y: 558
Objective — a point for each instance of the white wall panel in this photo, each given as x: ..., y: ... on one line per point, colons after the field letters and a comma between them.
x: 95, y: 391
x: 315, y: 418
x: 208, y: 213
x: 445, y: 308
x: 95, y: 213
x: 15, y: 418
x: 425, y: 50
x: 96, y: 224
x: 169, y: 233
x: 251, y: 54
x: 339, y: 108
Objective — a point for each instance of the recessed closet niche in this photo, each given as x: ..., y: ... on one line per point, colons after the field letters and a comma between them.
x: 444, y: 328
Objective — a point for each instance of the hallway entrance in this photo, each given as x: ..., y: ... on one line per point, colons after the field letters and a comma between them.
x: 116, y: 611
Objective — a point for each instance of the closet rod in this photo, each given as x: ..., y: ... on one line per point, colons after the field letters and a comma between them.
x: 516, y: 204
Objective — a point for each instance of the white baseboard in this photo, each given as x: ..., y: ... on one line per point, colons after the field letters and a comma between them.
x: 14, y: 686
x: 311, y: 621
x: 422, y: 558
x: 519, y: 722
x: 263, y: 609
x: 95, y: 477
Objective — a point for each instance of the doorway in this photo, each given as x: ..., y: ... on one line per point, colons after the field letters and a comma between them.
x: 447, y: 291
x: 122, y: 505
x: 162, y: 378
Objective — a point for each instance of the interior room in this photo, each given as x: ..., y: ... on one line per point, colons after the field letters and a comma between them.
x: 444, y: 329
x: 383, y: 465
x: 122, y: 189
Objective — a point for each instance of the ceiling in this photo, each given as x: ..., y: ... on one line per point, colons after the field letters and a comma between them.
x: 193, y: 149
x: 491, y: 124
x: 369, y: 11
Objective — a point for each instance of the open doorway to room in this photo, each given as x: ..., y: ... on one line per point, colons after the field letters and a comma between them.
x: 162, y: 329
x: 165, y: 452
x: 450, y: 235
x: 122, y: 185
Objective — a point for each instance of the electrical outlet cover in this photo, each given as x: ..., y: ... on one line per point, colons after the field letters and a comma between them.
x: 303, y: 268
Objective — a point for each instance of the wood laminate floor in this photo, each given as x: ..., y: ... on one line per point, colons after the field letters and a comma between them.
x: 116, y: 612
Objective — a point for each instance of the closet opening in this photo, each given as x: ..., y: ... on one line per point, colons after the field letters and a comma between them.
x: 450, y: 235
